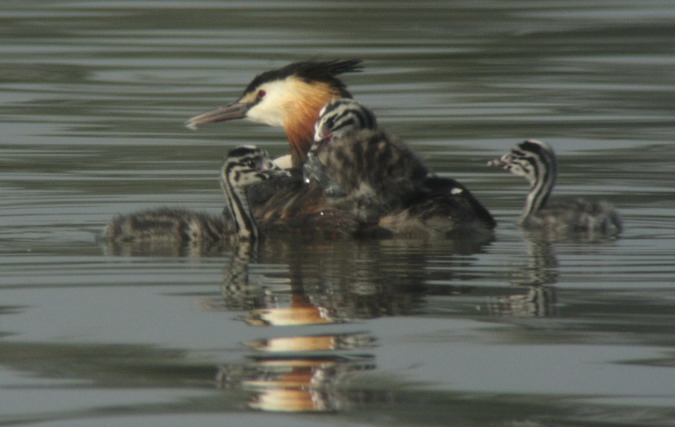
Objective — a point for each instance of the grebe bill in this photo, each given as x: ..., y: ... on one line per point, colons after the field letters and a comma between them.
x: 288, y: 97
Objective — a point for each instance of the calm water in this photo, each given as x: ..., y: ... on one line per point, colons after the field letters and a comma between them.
x: 518, y: 331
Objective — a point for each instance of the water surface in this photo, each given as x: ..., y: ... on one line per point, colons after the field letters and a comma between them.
x: 518, y: 330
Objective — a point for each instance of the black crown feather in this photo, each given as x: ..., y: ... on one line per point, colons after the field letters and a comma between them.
x: 311, y: 71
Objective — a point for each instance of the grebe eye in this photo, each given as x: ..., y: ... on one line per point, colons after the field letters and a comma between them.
x: 261, y: 94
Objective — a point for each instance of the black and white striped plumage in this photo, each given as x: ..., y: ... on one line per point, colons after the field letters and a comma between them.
x: 377, y: 177
x: 359, y: 165
x: 536, y: 161
x: 243, y: 167
x: 343, y: 115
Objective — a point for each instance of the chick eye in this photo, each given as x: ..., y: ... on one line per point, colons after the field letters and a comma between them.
x: 261, y: 94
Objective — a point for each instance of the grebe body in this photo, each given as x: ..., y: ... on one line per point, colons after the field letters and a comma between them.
x: 166, y: 225
x: 243, y: 167
x: 366, y: 179
x: 536, y: 161
x: 364, y: 168
x: 359, y: 166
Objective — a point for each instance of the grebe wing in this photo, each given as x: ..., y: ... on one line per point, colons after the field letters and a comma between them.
x: 288, y: 204
x: 451, y: 195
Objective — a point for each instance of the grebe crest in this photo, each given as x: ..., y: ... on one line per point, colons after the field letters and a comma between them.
x: 288, y: 97
x: 536, y: 161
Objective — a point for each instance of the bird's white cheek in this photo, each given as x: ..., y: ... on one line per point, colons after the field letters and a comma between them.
x: 268, y: 116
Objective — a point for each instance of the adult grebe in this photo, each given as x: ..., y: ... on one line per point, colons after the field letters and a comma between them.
x: 536, y: 161
x: 290, y: 97
x: 293, y: 97
x: 243, y: 166
x: 372, y: 173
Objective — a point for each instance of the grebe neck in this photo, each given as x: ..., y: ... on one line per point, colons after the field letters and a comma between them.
x: 301, y: 115
x: 542, y: 180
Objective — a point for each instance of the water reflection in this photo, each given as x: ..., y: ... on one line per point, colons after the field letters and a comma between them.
x: 301, y: 281
x: 349, y: 341
x: 264, y: 380
x: 300, y: 373
x: 162, y: 248
x: 286, y: 374
x: 540, y: 266
x: 296, y: 383
x: 308, y: 281
x: 322, y: 282
x: 317, y: 281
x: 532, y: 293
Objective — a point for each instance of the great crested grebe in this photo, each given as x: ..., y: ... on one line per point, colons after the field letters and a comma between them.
x: 243, y: 166
x: 536, y: 161
x: 289, y: 97
x: 293, y: 97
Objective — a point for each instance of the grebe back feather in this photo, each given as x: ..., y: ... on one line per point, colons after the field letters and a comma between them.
x: 359, y: 165
x: 377, y: 176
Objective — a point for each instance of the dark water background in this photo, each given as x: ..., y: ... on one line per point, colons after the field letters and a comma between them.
x: 520, y: 331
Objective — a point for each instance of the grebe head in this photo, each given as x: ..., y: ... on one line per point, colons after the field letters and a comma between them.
x: 245, y: 165
x: 289, y: 97
x: 532, y: 159
x: 340, y: 116
x: 337, y: 119
x: 535, y: 161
